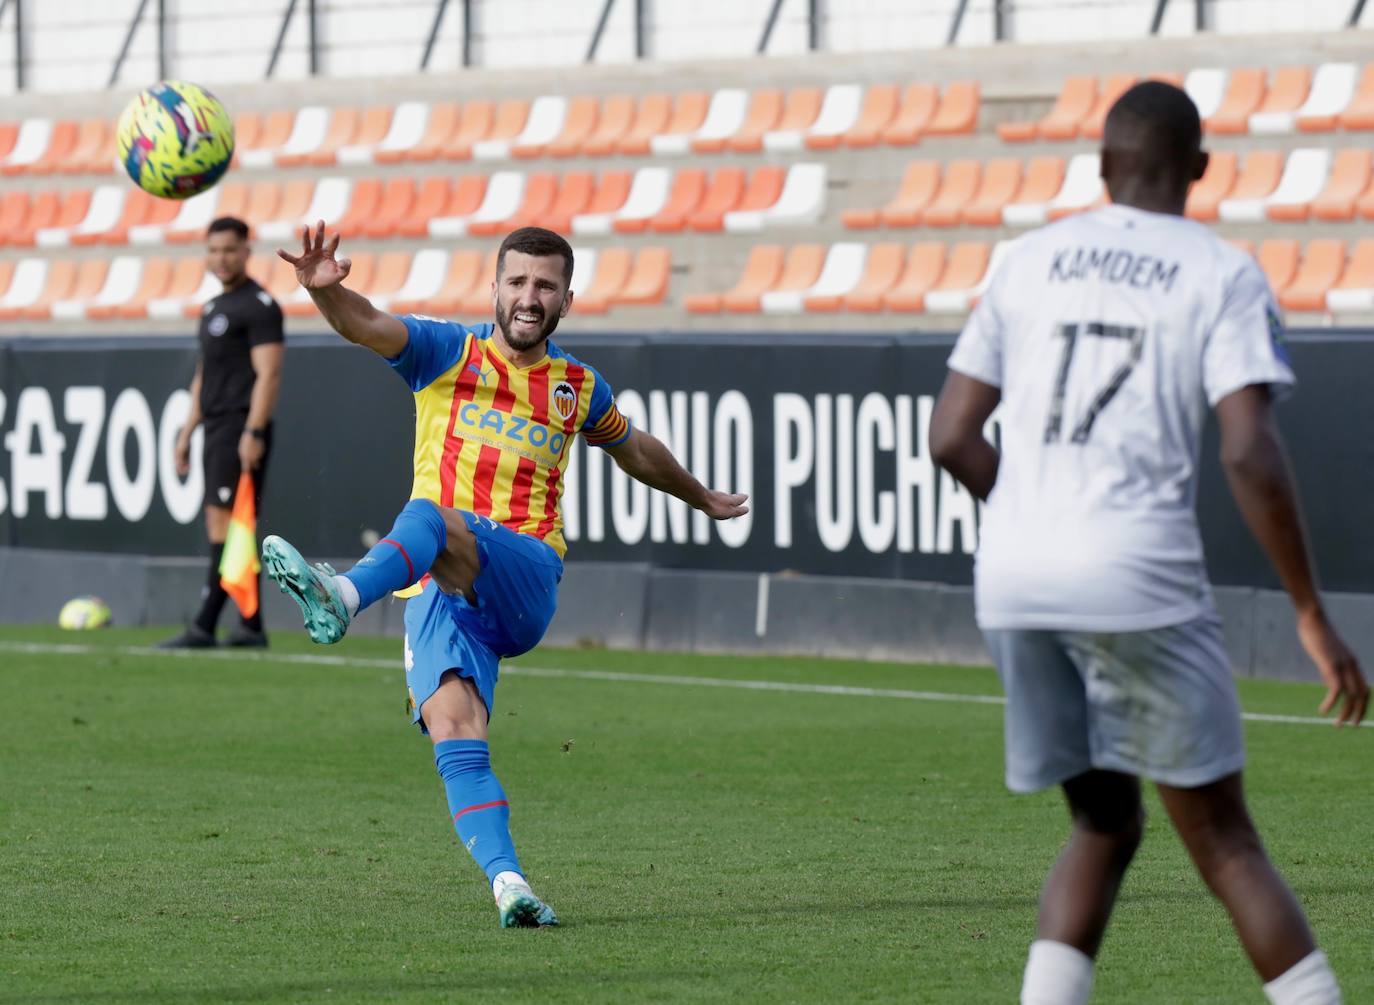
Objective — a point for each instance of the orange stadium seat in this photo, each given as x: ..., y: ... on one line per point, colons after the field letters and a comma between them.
x: 925, y: 264
x: 40, y: 211
x: 152, y: 283
x: 1001, y: 179
x: 765, y: 108
x: 913, y: 116
x: 392, y: 269
x: 648, y: 282
x: 9, y: 135
x: 1259, y: 175
x: 957, y: 187
x: 1206, y: 194
x: 1113, y: 87
x: 800, y: 270
x: 439, y: 129
x: 6, y: 274
x: 275, y: 130
x: 343, y: 123
x: 371, y: 129
x: 60, y: 281
x: 957, y: 114
x: 540, y: 188
x: 1278, y: 257
x: 140, y: 208
x: 617, y: 112
x: 476, y: 123
x: 462, y: 198
x: 363, y: 203
x: 689, y: 112
x: 721, y: 196
x: 650, y: 119
x: 94, y: 145
x: 919, y: 186
x: 1071, y: 108
x: 459, y: 278
x: 14, y: 206
x: 761, y: 272
x: 762, y: 189
x: 477, y: 301
x: 1240, y: 244
x: 1244, y: 92
x: 1323, y: 261
x: 1288, y: 89
x: 799, y: 111
x: 507, y: 122
x: 264, y: 198
x: 574, y: 195
x: 70, y: 210
x: 1359, y: 114
x: 233, y: 201
x: 185, y: 280
x: 612, y: 189
x: 882, y: 269
x: 584, y: 115
x: 247, y: 126
x: 1364, y: 205
x: 612, y: 271
x: 296, y: 196
x: 1043, y: 179
x: 61, y: 143
x: 428, y: 202
x: 397, y: 198
x: 689, y: 186
x: 1357, y: 283
x: 968, y: 260
x: 880, y: 105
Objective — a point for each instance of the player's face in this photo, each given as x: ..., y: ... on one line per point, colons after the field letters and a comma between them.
x: 530, y: 297
x: 226, y: 256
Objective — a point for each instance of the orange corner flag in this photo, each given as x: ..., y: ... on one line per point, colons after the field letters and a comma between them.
x: 238, y: 569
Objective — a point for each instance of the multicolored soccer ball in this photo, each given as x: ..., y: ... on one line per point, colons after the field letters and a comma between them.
x: 175, y: 139
x: 81, y: 613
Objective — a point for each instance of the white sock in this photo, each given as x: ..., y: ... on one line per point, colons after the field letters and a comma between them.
x: 505, y: 879
x: 1056, y: 974
x: 1310, y: 981
x: 349, y: 594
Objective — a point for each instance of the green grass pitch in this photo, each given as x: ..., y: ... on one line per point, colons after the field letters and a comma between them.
x: 224, y: 829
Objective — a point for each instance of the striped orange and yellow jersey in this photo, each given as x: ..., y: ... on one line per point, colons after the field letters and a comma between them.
x: 493, y: 438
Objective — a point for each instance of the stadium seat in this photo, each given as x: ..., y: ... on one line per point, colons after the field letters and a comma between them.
x: 914, y: 113
x: 66, y: 136
x: 440, y: 123
x: 179, y: 284
x: 441, y: 210
x: 799, y: 114
x: 1359, y: 114
x: 844, y: 265
x: 535, y: 196
x: 393, y: 269
x: 543, y: 121
x: 275, y: 130
x: 152, y: 283
x: 839, y: 114
x: 177, y: 301
x: 340, y: 126
x: 459, y: 273
x: 328, y: 203
x: 1323, y: 261
x: 1354, y: 291
x: 397, y: 198
x: 501, y: 198
x: 477, y: 301
x: 648, y: 193
x: 6, y: 274
x: 1288, y: 90
x: 1044, y: 177
x: 267, y: 198
x: 362, y: 207
x: 424, y: 280
x: 584, y: 115
x: 193, y: 214
x: 70, y: 304
x: 617, y: 113
x: 765, y: 111
x: 690, y: 111
x: 925, y: 264
x: 372, y: 126
x: 106, y: 203
x: 307, y: 133
x: 1001, y: 178
x: 918, y: 186
x: 59, y: 282
x: 648, y: 282
x: 609, y: 273
x: 1259, y: 176
x: 651, y: 118
x: 801, y: 201
x: 49, y: 209
x: 1350, y: 176
x: 761, y: 273
x: 9, y: 133
x: 29, y: 280
x: 141, y: 210
x: 1364, y: 205
x: 1076, y: 100
x: 540, y: 192
x: 1083, y: 188
x: 406, y: 129
x: 724, y: 116
x: 30, y: 144
x: 879, y: 108
x: 611, y: 193
x: 1244, y: 93
x: 689, y: 186
x: 505, y: 125
x: 120, y: 283
x: 957, y: 114
x: 1207, y: 87
x: 723, y: 193
x: 1333, y: 85
x: 882, y: 268
x: 800, y: 270
x: 960, y: 282
x: 1215, y: 185
x: 1278, y: 258
x: 1304, y: 176
x: 1113, y: 87
x: 14, y: 206
x: 960, y: 181
x: 574, y: 196
x: 585, y: 269
x: 1241, y: 244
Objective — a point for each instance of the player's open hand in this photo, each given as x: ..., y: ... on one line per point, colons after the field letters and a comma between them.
x: 1339, y: 669
x: 725, y: 505
x: 316, y: 267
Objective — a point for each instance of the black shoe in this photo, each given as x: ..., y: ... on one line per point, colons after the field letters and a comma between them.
x: 244, y: 637
x: 194, y: 637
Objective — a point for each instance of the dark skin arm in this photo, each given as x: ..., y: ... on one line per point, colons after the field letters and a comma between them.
x: 956, y: 432
x: 1257, y: 470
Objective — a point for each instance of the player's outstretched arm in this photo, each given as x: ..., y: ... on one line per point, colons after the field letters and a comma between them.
x: 957, y: 442
x: 348, y: 313
x: 1257, y: 470
x: 645, y: 458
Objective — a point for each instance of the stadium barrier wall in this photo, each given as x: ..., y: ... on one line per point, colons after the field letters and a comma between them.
x: 858, y: 544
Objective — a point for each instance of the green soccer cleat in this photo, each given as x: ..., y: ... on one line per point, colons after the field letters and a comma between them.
x: 326, y: 617
x: 520, y: 908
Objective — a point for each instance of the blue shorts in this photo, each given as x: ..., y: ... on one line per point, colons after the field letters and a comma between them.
x: 517, y: 591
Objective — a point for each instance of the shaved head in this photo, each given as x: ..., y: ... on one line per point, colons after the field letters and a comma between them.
x: 1152, y: 146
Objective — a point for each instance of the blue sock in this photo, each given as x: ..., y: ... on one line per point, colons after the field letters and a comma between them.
x: 403, y: 556
x: 481, y: 814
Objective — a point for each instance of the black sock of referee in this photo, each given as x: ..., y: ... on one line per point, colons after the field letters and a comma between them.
x: 215, y: 597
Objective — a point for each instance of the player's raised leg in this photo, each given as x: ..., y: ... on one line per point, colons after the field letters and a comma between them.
x: 1216, y: 828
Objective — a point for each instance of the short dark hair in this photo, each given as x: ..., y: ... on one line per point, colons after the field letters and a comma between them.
x: 538, y: 242
x: 231, y: 223
x: 1159, y: 122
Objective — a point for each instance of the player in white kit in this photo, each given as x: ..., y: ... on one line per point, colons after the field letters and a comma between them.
x: 1104, y: 338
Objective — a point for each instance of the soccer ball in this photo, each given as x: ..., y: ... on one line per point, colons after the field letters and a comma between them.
x: 175, y: 139
x: 82, y: 613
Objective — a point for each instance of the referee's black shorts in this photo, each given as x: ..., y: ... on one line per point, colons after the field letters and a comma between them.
x: 220, y: 459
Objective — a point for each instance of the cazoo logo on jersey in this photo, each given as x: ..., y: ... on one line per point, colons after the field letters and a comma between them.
x: 86, y: 453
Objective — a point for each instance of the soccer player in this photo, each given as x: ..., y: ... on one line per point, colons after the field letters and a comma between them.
x: 497, y: 407
x: 1104, y: 337
x: 234, y: 392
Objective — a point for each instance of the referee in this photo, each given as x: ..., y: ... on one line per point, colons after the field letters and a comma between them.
x: 234, y: 391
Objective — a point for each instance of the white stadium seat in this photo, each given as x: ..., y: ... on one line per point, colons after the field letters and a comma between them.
x: 724, y: 116
x: 1304, y: 175
x: 1206, y: 86
x: 547, y: 113
x: 504, y: 192
x: 195, y: 214
x: 171, y: 307
x: 30, y: 275
x: 32, y: 142
x: 407, y: 127
x: 801, y: 201
x: 121, y: 282
x: 1333, y: 85
x: 307, y: 133
x: 961, y: 301
x: 425, y: 280
x: 327, y: 204
x: 584, y: 269
x: 106, y: 205
x: 648, y: 192
x: 844, y: 266
x: 839, y: 111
